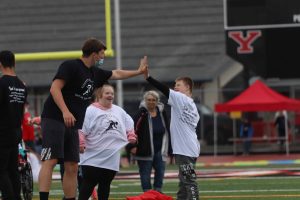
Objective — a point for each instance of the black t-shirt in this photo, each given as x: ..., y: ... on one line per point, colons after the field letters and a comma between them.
x: 13, y: 95
x: 80, y: 82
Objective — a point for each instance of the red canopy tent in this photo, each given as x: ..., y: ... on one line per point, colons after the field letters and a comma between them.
x: 259, y: 97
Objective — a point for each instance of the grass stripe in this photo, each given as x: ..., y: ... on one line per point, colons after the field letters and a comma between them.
x: 250, y: 196
x: 58, y: 192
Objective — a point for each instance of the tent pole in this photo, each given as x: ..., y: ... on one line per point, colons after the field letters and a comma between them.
x: 234, y: 136
x: 286, y: 136
x: 215, y: 134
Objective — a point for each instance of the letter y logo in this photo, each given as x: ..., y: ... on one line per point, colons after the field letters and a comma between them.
x: 245, y: 43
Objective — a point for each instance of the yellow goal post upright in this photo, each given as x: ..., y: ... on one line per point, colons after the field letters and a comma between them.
x: 61, y: 55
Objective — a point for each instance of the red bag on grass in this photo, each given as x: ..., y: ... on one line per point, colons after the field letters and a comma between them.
x: 150, y: 195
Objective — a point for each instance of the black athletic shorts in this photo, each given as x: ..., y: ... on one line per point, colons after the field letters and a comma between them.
x: 59, y: 142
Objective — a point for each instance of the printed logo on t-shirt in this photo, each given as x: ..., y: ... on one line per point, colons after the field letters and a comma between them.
x: 86, y: 91
x: 188, y: 116
x: 16, y: 95
x: 110, y: 124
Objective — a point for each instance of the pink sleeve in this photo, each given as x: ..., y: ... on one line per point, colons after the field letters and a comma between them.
x: 131, y: 136
x: 81, y: 138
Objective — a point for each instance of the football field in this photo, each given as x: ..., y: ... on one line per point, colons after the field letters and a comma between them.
x: 283, y: 187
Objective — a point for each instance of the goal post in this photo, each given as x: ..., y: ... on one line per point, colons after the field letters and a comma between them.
x: 61, y: 55
x: 56, y: 55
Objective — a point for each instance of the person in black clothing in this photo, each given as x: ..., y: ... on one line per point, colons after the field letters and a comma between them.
x: 151, y: 151
x: 13, y: 95
x: 246, y: 132
x: 63, y: 113
x: 280, y: 123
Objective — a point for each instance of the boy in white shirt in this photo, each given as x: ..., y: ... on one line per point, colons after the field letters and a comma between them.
x: 184, y: 119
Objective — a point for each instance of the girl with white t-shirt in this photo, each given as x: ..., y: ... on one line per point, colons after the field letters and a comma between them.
x: 107, y: 128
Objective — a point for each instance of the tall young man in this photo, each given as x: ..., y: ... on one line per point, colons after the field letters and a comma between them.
x: 185, y: 145
x: 13, y: 96
x: 63, y: 114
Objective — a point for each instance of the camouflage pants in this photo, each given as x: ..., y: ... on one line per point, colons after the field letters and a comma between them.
x: 188, y: 187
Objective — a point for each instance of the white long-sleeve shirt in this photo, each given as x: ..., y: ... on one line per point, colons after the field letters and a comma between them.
x: 184, y: 119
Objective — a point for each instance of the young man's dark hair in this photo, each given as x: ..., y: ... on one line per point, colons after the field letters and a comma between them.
x: 92, y: 45
x: 7, y: 59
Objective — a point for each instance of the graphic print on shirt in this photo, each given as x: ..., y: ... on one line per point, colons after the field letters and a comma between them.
x: 86, y: 91
x: 188, y: 116
x: 16, y: 95
x: 110, y: 124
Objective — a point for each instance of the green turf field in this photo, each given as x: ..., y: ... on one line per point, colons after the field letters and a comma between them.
x: 280, y: 187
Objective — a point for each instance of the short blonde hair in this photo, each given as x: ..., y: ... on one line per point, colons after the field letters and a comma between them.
x: 99, y: 91
x: 152, y: 93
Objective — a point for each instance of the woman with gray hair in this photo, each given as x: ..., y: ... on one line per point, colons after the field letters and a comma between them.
x: 151, y: 151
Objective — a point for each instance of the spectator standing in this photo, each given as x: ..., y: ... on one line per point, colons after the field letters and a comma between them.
x: 281, y: 124
x: 63, y: 113
x: 28, y: 130
x: 107, y: 128
x: 151, y: 151
x: 185, y: 145
x: 13, y: 95
x: 246, y: 133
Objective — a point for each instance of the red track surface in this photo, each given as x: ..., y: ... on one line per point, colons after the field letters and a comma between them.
x: 256, y: 157
x: 226, y: 160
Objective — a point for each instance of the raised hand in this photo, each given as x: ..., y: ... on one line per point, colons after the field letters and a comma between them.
x: 146, y: 73
x: 143, y: 65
